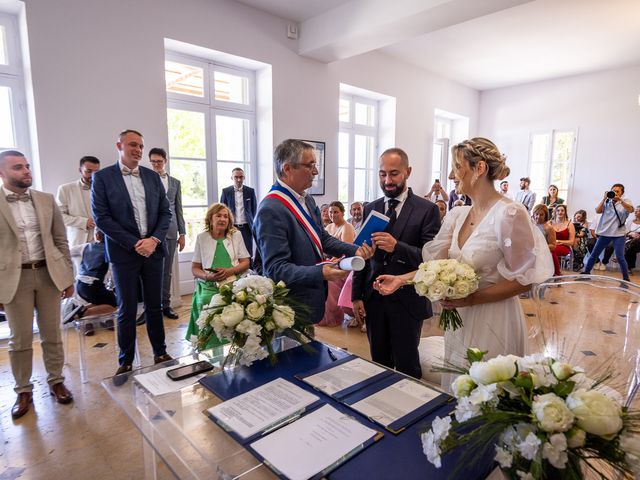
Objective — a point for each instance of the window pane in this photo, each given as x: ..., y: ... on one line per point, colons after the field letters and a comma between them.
x: 224, y: 174
x: 232, y: 138
x: 359, y: 184
x: 231, y: 88
x: 343, y: 150
x: 193, y: 178
x: 186, y: 133
x: 4, y: 58
x: 364, y: 151
x: 343, y: 184
x: 7, y: 137
x: 194, y: 225
x: 184, y: 79
x: 365, y: 114
x: 344, y: 110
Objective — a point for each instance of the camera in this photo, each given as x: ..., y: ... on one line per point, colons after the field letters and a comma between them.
x: 611, y: 194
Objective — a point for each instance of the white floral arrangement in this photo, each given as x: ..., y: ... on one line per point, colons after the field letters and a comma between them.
x: 249, y: 313
x: 450, y: 279
x: 546, y: 418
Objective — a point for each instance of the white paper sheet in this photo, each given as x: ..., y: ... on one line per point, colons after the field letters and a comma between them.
x: 158, y: 383
x: 395, y: 401
x: 343, y: 376
x: 312, y: 443
x: 262, y: 407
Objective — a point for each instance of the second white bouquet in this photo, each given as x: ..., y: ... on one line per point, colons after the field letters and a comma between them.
x: 440, y: 279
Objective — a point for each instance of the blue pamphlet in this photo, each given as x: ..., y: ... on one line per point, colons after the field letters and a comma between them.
x: 375, y: 222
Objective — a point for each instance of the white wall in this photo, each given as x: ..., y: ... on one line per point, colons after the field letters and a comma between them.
x: 603, y: 106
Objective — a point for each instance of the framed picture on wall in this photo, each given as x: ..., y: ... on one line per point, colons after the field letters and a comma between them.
x: 317, y: 187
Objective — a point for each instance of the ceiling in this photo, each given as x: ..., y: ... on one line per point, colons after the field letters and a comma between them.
x: 484, y: 44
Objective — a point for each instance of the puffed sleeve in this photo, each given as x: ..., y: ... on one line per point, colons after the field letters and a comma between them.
x: 438, y: 248
x: 526, y: 256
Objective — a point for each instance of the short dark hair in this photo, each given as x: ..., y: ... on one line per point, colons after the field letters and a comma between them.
x: 89, y: 159
x: 618, y: 185
x: 158, y: 151
x: 10, y: 153
x: 128, y: 130
x: 404, y: 158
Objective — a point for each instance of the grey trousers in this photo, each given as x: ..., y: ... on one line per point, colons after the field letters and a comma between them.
x: 35, y: 291
x: 168, y: 267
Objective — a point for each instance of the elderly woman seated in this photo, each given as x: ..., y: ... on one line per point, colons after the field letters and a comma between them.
x: 218, y: 257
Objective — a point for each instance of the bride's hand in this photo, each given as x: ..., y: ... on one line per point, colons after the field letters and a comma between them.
x: 387, y: 284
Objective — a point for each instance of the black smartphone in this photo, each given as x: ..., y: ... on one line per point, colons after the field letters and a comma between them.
x: 187, y: 371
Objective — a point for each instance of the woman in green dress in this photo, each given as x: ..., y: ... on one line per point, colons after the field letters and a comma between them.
x: 218, y: 257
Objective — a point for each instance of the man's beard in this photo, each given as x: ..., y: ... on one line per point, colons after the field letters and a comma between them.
x: 397, y: 190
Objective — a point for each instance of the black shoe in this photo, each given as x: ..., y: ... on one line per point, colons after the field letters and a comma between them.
x: 141, y: 319
x: 121, y: 377
x: 169, y: 313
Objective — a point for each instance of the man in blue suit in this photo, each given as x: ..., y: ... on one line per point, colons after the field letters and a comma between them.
x: 130, y: 206
x: 241, y: 200
x: 394, y: 322
x: 289, y: 233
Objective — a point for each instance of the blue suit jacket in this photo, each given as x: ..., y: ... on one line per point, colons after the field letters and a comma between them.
x: 248, y: 196
x: 113, y: 212
x: 288, y: 254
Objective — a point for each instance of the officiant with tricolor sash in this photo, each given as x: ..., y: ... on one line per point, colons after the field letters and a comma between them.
x: 289, y: 233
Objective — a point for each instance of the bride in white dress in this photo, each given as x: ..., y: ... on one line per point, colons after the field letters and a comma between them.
x: 496, y: 237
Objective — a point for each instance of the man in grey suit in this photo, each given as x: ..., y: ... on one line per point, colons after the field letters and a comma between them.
x: 36, y: 272
x: 176, y: 233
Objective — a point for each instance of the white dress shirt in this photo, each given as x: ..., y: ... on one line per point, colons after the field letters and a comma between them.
x: 135, y: 187
x: 24, y: 214
x: 296, y: 195
x: 239, y: 198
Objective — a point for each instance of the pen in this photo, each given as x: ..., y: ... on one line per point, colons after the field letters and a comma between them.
x: 331, y: 354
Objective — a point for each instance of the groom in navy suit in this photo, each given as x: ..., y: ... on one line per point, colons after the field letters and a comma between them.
x: 289, y: 233
x: 394, y: 322
x: 130, y: 206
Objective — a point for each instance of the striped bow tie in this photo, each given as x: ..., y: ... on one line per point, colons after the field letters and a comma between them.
x: 127, y: 171
x: 18, y: 197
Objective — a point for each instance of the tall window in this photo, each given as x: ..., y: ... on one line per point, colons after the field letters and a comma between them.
x: 357, y: 149
x: 13, y: 118
x: 211, y: 122
x: 551, y: 156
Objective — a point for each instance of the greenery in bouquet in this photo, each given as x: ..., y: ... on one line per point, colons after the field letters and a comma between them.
x: 440, y: 279
x: 546, y: 419
x: 250, y: 313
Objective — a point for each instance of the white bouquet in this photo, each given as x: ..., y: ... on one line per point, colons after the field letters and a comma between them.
x: 545, y: 418
x: 249, y: 313
x: 440, y: 279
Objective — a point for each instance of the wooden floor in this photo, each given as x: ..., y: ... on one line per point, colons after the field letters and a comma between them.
x: 90, y: 438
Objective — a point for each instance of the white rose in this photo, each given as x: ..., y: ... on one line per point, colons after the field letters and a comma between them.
x: 596, y: 413
x: 232, y: 314
x: 552, y: 413
x: 562, y: 371
x: 255, y: 311
x: 462, y: 386
x: 498, y: 369
x: 437, y: 291
x: 217, y: 301
x: 283, y: 316
x: 576, y: 437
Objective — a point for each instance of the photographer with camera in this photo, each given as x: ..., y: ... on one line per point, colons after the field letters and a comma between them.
x: 614, y: 211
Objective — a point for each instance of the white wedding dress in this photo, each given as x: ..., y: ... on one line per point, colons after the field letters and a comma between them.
x: 504, y: 245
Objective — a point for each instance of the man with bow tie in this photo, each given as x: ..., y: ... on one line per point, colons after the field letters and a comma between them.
x: 130, y: 206
x: 74, y: 200
x: 176, y: 233
x: 36, y: 268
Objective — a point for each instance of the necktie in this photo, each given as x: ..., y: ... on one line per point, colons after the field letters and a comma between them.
x: 127, y: 171
x: 391, y: 212
x: 18, y: 197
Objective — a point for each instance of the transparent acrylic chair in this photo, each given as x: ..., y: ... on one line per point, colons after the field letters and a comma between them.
x: 593, y: 322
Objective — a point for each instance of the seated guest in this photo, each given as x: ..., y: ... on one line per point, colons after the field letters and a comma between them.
x: 541, y: 220
x: 342, y: 230
x: 551, y: 200
x: 442, y: 206
x: 565, y: 231
x: 219, y: 255
x: 324, y: 214
x: 632, y: 242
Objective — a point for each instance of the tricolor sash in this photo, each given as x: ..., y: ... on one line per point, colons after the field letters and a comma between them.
x: 304, y: 219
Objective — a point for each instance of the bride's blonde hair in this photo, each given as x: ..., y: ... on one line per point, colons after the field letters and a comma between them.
x: 482, y: 149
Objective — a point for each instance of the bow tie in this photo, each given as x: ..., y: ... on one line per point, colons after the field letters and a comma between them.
x: 18, y: 197
x: 127, y: 171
